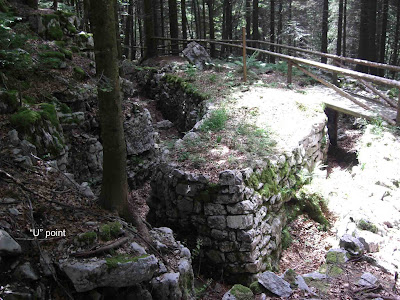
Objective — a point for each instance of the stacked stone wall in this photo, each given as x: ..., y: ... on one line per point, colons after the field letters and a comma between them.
x: 239, y: 218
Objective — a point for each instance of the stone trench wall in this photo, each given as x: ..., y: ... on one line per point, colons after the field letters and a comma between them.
x: 240, y: 218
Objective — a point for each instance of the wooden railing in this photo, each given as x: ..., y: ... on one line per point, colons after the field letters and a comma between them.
x: 298, y: 62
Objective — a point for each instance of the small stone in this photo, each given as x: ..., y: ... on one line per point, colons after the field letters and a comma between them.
x: 13, y: 136
x: 8, y: 201
x: 25, y: 271
x: 238, y: 292
x: 351, y: 245
x: 191, y: 136
x: 240, y: 221
x: 14, y: 211
x: 275, y: 284
x: 8, y: 245
x: 164, y: 124
x: 137, y: 249
x: 367, y: 280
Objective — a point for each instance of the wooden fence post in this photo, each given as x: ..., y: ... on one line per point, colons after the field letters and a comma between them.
x: 244, y: 54
x: 398, y: 111
x: 289, y: 71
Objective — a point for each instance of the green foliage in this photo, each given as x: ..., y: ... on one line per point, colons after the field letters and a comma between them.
x: 88, y: 237
x: 54, y: 54
x: 314, y: 205
x: 48, y: 112
x: 109, y: 231
x: 197, y: 249
x: 290, y: 276
x: 286, y: 238
x: 66, y: 52
x: 25, y: 118
x: 4, y: 6
x: 10, y: 97
x: 200, y: 291
x: 216, y: 121
x: 113, y: 262
x: 367, y: 225
x: 79, y: 73
x: 179, y: 83
x: 242, y: 292
x: 64, y: 108
x: 191, y: 72
x: 256, y: 141
x: 256, y: 288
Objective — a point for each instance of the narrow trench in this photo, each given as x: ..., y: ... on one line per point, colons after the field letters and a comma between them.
x: 344, y: 155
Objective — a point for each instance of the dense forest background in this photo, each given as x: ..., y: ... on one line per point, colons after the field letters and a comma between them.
x: 367, y: 29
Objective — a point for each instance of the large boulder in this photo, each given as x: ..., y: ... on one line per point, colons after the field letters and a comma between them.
x: 197, y: 55
x: 92, y: 273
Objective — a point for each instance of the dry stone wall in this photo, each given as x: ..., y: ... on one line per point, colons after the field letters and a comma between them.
x: 239, y: 218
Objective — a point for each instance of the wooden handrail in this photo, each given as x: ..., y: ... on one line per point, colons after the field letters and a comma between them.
x: 327, y: 55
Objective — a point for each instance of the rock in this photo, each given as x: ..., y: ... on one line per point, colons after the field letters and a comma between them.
x: 179, y: 144
x: 197, y: 55
x: 336, y: 256
x: 351, y: 245
x: 13, y: 137
x: 315, y: 276
x: 230, y: 177
x: 8, y: 201
x: 8, y: 246
x: 137, y: 249
x: 47, y: 264
x: 14, y: 211
x: 25, y: 271
x: 370, y: 240
x: 238, y: 292
x: 275, y: 284
x: 240, y: 221
x: 86, y: 190
x: 164, y: 124
x: 302, y: 285
x: 367, y: 280
x: 90, y: 274
x: 139, y: 132
x: 191, y: 136
x: 28, y: 148
x: 166, y: 287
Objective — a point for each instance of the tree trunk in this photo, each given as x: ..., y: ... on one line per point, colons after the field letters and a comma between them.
x: 290, y: 39
x: 324, y: 38
x: 32, y: 3
x: 149, y: 42
x: 344, y: 27
x: 340, y: 29
x: 210, y: 4
x: 367, y: 43
x: 256, y: 33
x: 114, y: 187
x: 117, y: 33
x: 173, y: 25
x: 382, y: 46
x: 248, y: 18
x: 272, y: 31
x: 86, y: 10
x: 204, y: 20
x: 128, y: 30
x: 280, y: 24
x: 140, y: 31
x: 184, y: 20
x: 396, y: 39
x: 55, y: 5
x: 162, y: 25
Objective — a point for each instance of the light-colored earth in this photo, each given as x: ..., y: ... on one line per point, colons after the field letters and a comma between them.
x: 368, y: 191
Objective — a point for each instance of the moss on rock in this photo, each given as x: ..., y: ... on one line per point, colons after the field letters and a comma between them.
x: 25, y: 118
x: 242, y: 292
x: 79, y: 73
x: 113, y: 262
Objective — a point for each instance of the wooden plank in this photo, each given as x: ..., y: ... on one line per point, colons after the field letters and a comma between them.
x: 343, y: 93
x: 350, y: 112
x: 380, y: 94
x: 332, y: 115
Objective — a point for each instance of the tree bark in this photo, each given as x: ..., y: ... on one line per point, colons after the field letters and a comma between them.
x: 324, y: 38
x: 184, y: 20
x: 86, y: 10
x: 162, y: 25
x: 272, y: 31
x: 344, y: 27
x: 367, y: 42
x: 204, y: 19
x: 256, y: 33
x: 114, y: 187
x: 149, y: 42
x: 173, y: 25
x: 382, y: 46
x: 340, y: 29
x: 210, y: 4
x: 396, y: 39
x: 248, y: 18
x: 280, y: 24
x: 117, y: 33
x: 32, y: 3
x: 128, y: 30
